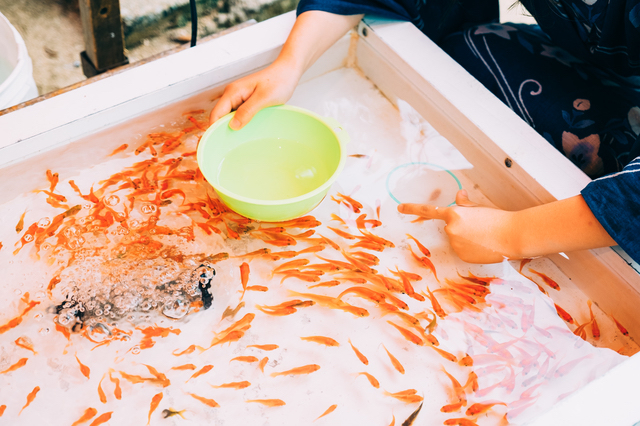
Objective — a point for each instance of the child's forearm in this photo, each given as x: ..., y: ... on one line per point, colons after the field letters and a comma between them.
x: 312, y: 34
x: 564, y: 225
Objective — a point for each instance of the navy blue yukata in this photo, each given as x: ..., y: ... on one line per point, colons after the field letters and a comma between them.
x: 574, y: 78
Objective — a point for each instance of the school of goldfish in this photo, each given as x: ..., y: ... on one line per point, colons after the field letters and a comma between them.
x: 136, y: 246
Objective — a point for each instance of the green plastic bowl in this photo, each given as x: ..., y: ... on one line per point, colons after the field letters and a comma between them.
x: 278, y: 167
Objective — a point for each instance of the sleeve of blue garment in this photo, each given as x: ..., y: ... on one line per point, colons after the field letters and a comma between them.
x: 385, y: 9
x: 615, y: 202
x: 435, y: 18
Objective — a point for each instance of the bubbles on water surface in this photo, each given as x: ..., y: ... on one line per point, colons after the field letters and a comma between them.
x: 44, y: 222
x: 149, y: 208
x: 97, y: 292
x: 112, y: 200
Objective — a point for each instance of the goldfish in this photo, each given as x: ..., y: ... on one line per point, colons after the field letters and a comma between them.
x: 103, y: 418
x: 327, y: 341
x: 232, y: 312
x: 257, y: 288
x: 30, y: 398
x: 206, y: 401
x: 268, y: 402
x: 374, y: 382
x: 14, y: 322
x: 233, y: 385
x: 264, y: 347
x: 244, y: 276
x: 187, y: 351
x: 425, y: 262
x: 134, y: 378
x: 450, y: 408
x: 160, y: 377
x: 291, y: 264
x: 564, y: 314
x: 88, y: 414
x: 459, y: 422
x: 436, y: 306
x: 348, y: 201
x: 408, y: 396
x: 472, y: 381
x: 479, y: 408
x: 4, y: 407
x: 333, y: 302
x: 305, y: 369
x: 119, y: 149
x: 458, y: 390
x: 548, y: 281
x: 200, y: 372
x: 341, y: 233
x: 363, y: 359
x: 101, y: 394
x: 155, y: 401
x: 328, y: 411
x: 83, y: 368
x: 422, y: 248
x: 262, y: 363
x: 20, y: 224
x: 184, y: 367
x: 117, y: 392
x: 25, y: 342
x: 595, y: 330
x: 412, y: 417
x: 170, y: 412
x: 621, y: 327
x: 53, y: 180
x: 364, y: 292
x: 21, y: 363
x: 408, y: 334
x: 394, y: 361
x: 466, y: 361
x: 245, y: 359
x: 312, y: 249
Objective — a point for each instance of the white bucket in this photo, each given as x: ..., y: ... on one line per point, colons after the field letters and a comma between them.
x: 16, y: 71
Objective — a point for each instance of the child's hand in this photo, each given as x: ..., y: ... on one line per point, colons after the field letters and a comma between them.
x: 477, y: 234
x: 486, y: 235
x: 273, y: 85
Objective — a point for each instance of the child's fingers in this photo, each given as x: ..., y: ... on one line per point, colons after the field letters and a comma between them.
x: 423, y: 210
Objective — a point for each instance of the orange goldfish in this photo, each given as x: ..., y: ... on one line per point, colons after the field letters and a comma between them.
x: 479, y: 408
x: 424, y: 261
x: 20, y: 224
x: 548, y: 281
x: 263, y: 362
x: 53, y: 180
x: 264, y: 347
x: 233, y: 385
x: 103, y: 418
x: 21, y: 363
x: 459, y: 422
x: 200, y: 372
x: 155, y: 401
x: 564, y: 314
x: 466, y: 361
x: 408, y: 335
x: 101, y: 394
x: 30, y: 398
x: 363, y: 359
x: 117, y: 392
x: 328, y: 411
x: 244, y: 276
x: 305, y: 369
x: 119, y: 149
x: 595, y: 330
x: 436, y: 306
x: 88, y: 414
x: 257, y: 288
x: 396, y: 364
x: 209, y: 402
x: 422, y: 248
x: 327, y: 341
x: 450, y: 408
x: 83, y: 368
x: 374, y: 382
x: 4, y: 407
x: 268, y: 402
x: 621, y: 327
x: 160, y: 377
x: 184, y: 367
x: 245, y: 359
x: 458, y: 390
x: 25, y: 342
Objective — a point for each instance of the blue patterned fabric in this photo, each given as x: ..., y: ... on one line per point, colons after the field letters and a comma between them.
x: 574, y: 77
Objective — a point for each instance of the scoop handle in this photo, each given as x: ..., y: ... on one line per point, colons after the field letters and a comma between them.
x: 341, y: 133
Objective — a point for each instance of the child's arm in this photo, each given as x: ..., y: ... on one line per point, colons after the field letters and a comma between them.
x: 312, y: 34
x: 486, y: 235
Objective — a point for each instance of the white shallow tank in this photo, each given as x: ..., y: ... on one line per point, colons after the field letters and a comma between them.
x: 16, y: 71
